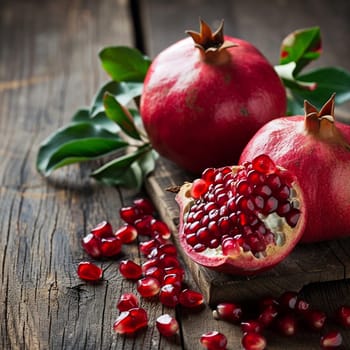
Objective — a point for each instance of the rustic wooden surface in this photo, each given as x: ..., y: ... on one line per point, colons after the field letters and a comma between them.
x: 48, y: 69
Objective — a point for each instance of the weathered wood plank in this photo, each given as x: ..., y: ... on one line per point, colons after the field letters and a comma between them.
x: 48, y: 68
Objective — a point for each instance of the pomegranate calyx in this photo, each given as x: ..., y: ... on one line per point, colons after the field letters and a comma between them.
x: 321, y: 124
x: 212, y: 46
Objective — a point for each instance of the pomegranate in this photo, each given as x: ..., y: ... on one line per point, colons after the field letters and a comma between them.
x: 214, y: 91
x: 248, y: 220
x: 316, y: 149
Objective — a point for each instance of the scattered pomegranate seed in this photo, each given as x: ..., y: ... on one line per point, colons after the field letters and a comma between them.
x: 190, y: 298
x: 214, y: 340
x: 287, y: 325
x: 251, y: 326
x: 315, y: 319
x: 127, y: 301
x: 229, y: 312
x: 110, y: 246
x: 160, y: 229
x: 169, y: 295
x: 92, y: 245
x: 131, y: 321
x: 88, y: 271
x: 268, y: 315
x: 253, y: 341
x: 331, y: 340
x: 288, y: 300
x: 129, y: 214
x: 148, y: 287
x: 343, y: 316
x: 167, y: 325
x: 127, y: 233
x: 103, y: 230
x: 144, y: 206
x: 129, y: 269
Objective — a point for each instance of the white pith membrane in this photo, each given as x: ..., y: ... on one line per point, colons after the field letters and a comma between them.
x: 273, y: 222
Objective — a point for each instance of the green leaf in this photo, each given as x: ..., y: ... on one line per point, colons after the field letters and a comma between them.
x: 120, y: 115
x: 76, y: 142
x: 328, y: 80
x: 124, y: 63
x: 100, y: 119
x: 124, y: 92
x: 128, y: 170
x: 301, y: 46
x: 286, y: 73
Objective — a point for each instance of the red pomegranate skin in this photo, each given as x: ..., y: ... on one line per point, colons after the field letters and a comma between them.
x: 322, y: 169
x: 200, y: 114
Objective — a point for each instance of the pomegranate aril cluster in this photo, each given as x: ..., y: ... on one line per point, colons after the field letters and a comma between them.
x: 159, y: 275
x: 244, y: 210
x: 285, y: 315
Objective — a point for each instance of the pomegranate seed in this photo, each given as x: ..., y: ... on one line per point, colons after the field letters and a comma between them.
x: 160, y: 229
x: 143, y: 225
x: 268, y: 315
x: 302, y: 306
x: 147, y: 246
x: 190, y: 298
x: 89, y: 272
x: 229, y: 312
x: 131, y: 321
x: 267, y: 302
x: 231, y: 247
x: 149, y: 263
x: 331, y: 340
x: 214, y: 341
x: 110, y: 246
x: 287, y: 325
x: 209, y: 175
x: 144, y: 206
x: 154, y: 272
x: 251, y: 326
x: 127, y: 301
x: 315, y: 319
x: 169, y: 295
x: 166, y: 260
x: 343, y: 316
x: 127, y: 233
x: 148, y: 287
x: 263, y: 164
x: 288, y: 300
x: 167, y: 325
x: 178, y: 271
x: 129, y: 269
x: 168, y: 248
x: 173, y: 279
x: 92, y: 245
x: 102, y: 230
x: 253, y: 341
x: 199, y: 187
x: 129, y: 214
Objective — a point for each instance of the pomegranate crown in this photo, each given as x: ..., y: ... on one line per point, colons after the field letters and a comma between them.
x: 321, y: 123
x: 212, y: 46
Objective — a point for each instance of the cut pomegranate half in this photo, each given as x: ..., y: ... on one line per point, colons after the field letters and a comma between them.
x: 247, y: 221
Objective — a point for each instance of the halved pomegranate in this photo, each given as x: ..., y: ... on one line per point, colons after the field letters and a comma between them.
x: 245, y: 220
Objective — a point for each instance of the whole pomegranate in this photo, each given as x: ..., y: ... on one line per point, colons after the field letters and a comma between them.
x: 242, y: 219
x: 203, y: 99
x: 316, y: 149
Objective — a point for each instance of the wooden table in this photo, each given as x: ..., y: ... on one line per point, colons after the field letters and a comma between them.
x: 48, y: 69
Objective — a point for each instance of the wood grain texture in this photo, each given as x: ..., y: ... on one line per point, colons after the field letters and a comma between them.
x: 48, y: 68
